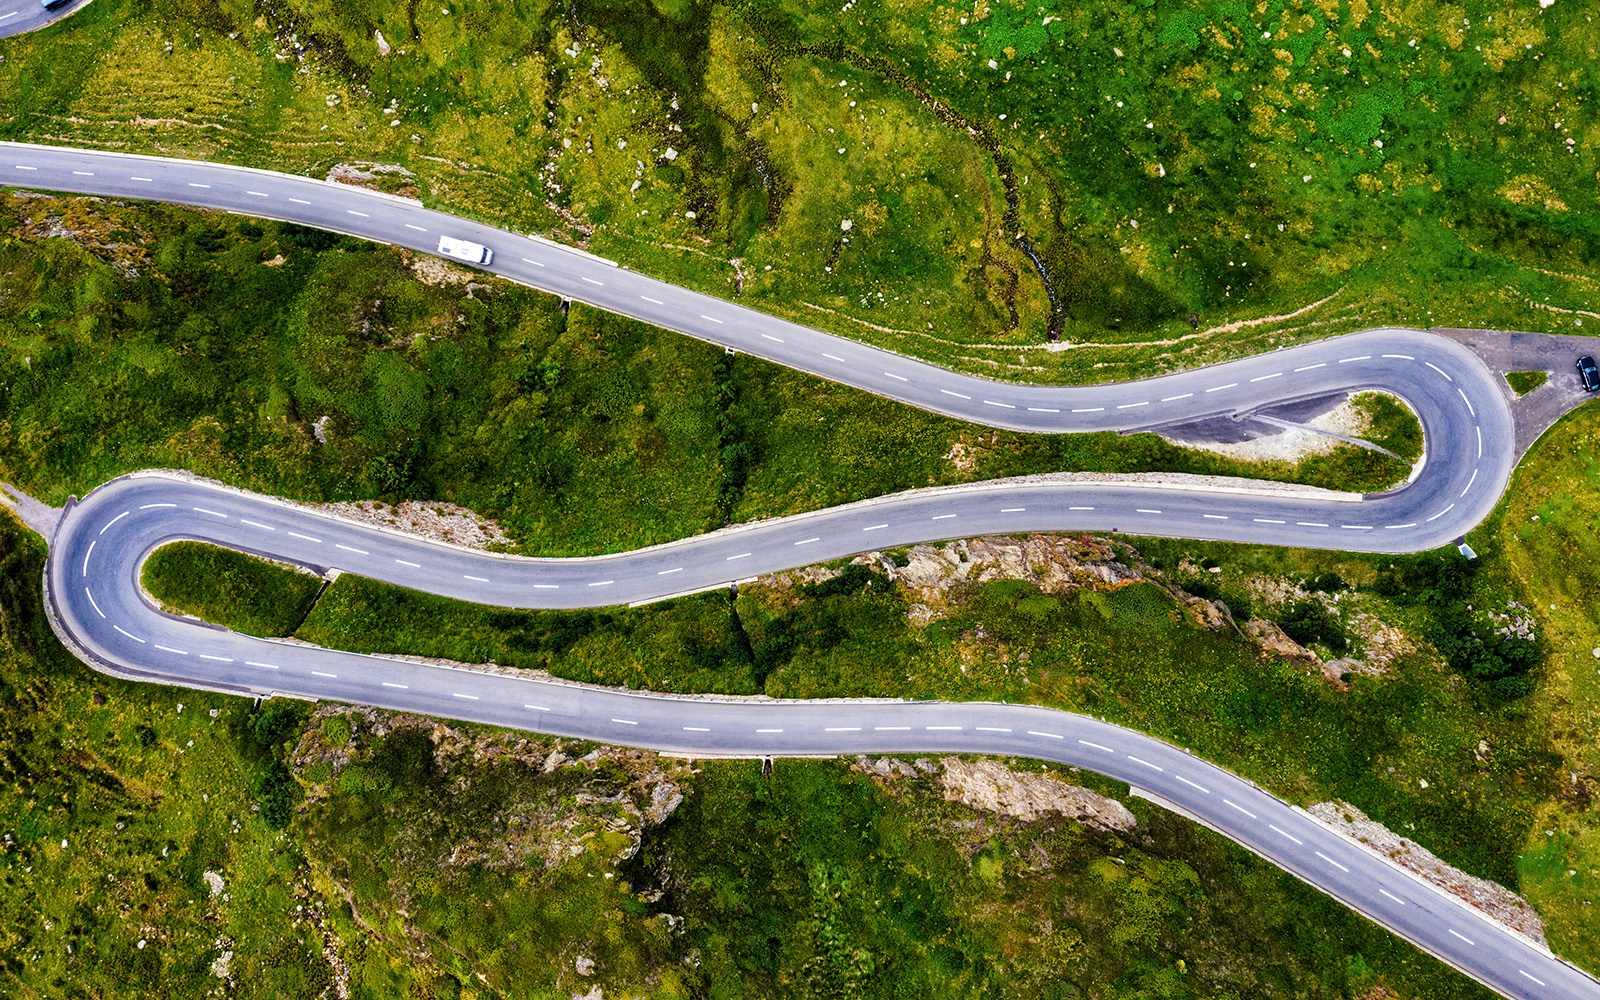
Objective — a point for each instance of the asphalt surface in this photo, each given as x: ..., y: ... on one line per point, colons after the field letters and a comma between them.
x: 18, y: 17
x: 101, y: 542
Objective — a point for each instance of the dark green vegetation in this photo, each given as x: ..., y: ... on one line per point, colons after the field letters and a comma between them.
x: 229, y: 588
x: 418, y: 869
x: 1523, y: 383
x: 1179, y: 166
x: 142, y: 337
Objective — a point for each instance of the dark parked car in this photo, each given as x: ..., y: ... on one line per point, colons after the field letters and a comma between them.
x: 1589, y: 373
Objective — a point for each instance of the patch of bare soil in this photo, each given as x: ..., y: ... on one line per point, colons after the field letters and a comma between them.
x: 385, y: 177
x: 991, y: 787
x: 444, y: 522
x: 1490, y: 898
x: 433, y: 271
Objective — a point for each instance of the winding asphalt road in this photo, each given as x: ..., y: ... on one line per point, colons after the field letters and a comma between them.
x: 101, y: 542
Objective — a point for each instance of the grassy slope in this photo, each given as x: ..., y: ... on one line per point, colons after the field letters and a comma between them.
x: 229, y: 588
x: 148, y: 797
x: 1259, y: 187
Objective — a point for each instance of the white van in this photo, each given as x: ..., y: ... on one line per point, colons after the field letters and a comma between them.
x: 472, y: 253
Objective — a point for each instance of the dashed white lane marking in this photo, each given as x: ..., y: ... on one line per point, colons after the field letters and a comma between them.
x: 696, y: 729
x: 1219, y: 388
x: 768, y: 336
x: 991, y: 729
x: 263, y: 666
x: 21, y: 167
x: 324, y: 673
x: 832, y: 357
x: 219, y: 659
x: 1396, y: 527
x: 1311, y: 524
x: 841, y: 729
x: 463, y: 697
x: 299, y: 201
x: 807, y: 541
x: 1141, y: 760
x: 359, y: 552
x: 392, y: 684
x: 1129, y: 406
x: 602, y: 583
x: 592, y: 281
x: 547, y: 586
x: 194, y: 184
x: 213, y: 513
x: 1263, y: 378
x: 1470, y: 480
x: 958, y: 395
x: 351, y: 211
x: 941, y: 517
x: 1169, y: 399
x: 1533, y: 977
x: 150, y: 506
x: 477, y: 579
x: 1306, y: 368
x: 1235, y: 805
x: 1267, y: 520
x: 1479, y: 429
x: 1441, y: 371
x: 891, y: 729
x: 114, y: 520
x: 1462, y: 936
x: 1464, y: 399
x: 1402, y: 357
x: 305, y: 538
x: 1053, y: 736
x: 1215, y: 517
x: 1284, y: 833
x: 769, y: 730
x: 12, y: 14
x: 1442, y: 513
x: 422, y: 230
x: 1146, y: 510
x: 411, y: 564
x: 1392, y: 896
x: 1193, y: 784
x: 1012, y: 510
x: 742, y: 555
x: 901, y: 378
x: 649, y: 299
x: 874, y: 527
x: 125, y: 632
x: 147, y: 180
x: 1087, y: 409
x: 1097, y: 746
x: 1359, y: 357
x: 666, y: 572
x: 83, y: 173
x: 257, y: 524
x: 990, y: 402
x: 1045, y: 409
x: 536, y: 708
x: 1331, y: 861
x: 1080, y: 508
x: 87, y: 553
x: 92, y: 603
x: 943, y: 729
x: 169, y: 649
x: 703, y: 316
x: 1356, y: 527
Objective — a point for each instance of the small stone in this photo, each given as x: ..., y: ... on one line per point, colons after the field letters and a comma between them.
x: 1422, y: 782
x: 584, y: 965
x: 847, y: 225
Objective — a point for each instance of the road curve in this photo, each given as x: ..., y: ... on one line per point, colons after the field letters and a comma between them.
x: 19, y: 17
x: 97, y: 606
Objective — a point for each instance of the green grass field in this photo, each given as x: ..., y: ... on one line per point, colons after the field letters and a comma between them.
x: 229, y: 588
x: 1187, y: 171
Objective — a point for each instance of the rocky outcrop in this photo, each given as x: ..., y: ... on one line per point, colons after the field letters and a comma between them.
x: 1490, y: 898
x: 1025, y: 795
x: 443, y: 522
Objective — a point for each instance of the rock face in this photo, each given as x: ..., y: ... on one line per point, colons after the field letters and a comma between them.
x: 1491, y: 898
x: 992, y: 787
